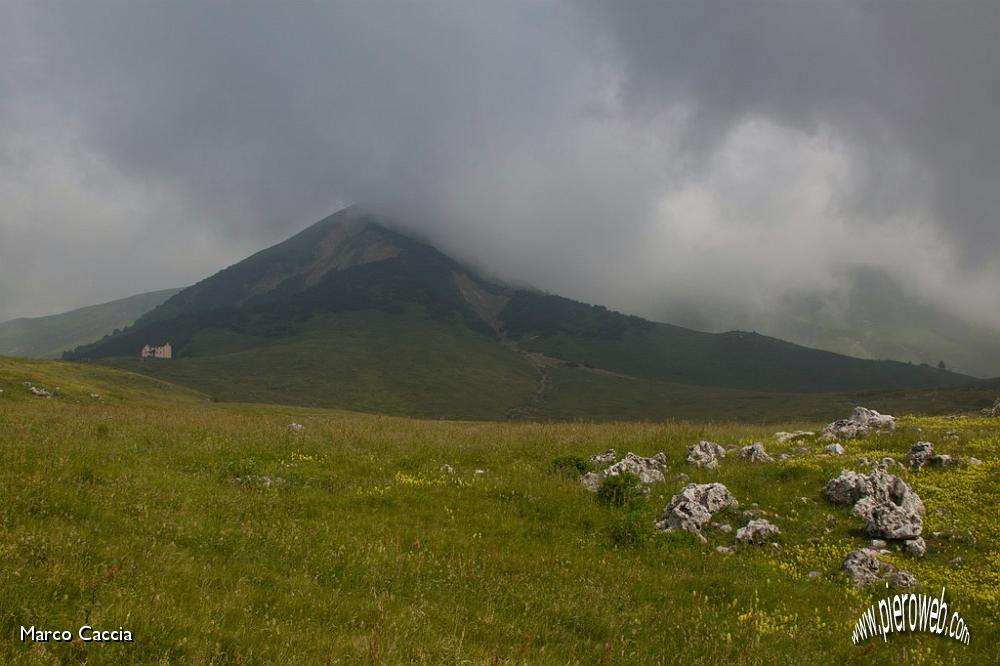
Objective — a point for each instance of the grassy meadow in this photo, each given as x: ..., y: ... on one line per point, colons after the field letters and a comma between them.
x: 217, y: 534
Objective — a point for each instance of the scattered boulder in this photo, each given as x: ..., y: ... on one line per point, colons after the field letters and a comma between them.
x: 605, y: 458
x: 889, y: 507
x: 295, y: 427
x: 994, y: 410
x: 847, y: 488
x: 706, y: 454
x: 447, y: 469
x: 757, y: 532
x: 892, y: 510
x: 864, y: 567
x: 478, y: 472
x: 903, y: 579
x: 835, y: 449
x: 860, y: 423
x: 39, y: 391
x: 973, y: 461
x: 692, y: 508
x: 877, y: 544
x: 919, y: 454
x: 649, y: 470
x: 916, y: 547
x: 923, y: 454
x: 783, y: 437
x: 725, y: 550
x: 755, y: 453
x: 591, y: 481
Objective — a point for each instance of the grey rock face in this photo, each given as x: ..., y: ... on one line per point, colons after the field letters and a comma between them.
x: 706, y: 454
x: 860, y: 423
x: 757, y: 532
x: 755, y: 453
x: 692, y: 508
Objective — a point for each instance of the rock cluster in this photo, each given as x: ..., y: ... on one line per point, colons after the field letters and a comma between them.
x: 923, y: 454
x: 692, y: 508
x: 605, y: 458
x: 860, y: 423
x: 757, y: 532
x: 37, y: 390
x: 649, y: 470
x: 889, y: 507
x: 755, y: 453
x: 706, y: 454
x: 864, y: 568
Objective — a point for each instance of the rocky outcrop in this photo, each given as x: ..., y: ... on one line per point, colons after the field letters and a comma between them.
x: 859, y: 424
x: 847, y: 488
x: 757, y: 532
x: 692, y: 508
x: 994, y: 410
x: 649, y: 470
x: 605, y: 458
x: 919, y: 454
x: 706, y: 454
x: 889, y: 507
x: 922, y: 454
x: 755, y: 453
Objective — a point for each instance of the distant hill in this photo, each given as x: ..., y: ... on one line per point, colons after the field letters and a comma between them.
x: 868, y: 314
x: 352, y: 313
x: 49, y: 337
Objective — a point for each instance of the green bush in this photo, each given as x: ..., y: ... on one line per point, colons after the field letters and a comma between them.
x: 630, y: 529
x: 622, y: 490
x: 571, y: 465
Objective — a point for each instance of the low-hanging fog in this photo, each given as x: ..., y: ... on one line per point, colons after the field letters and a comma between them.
x: 707, y: 163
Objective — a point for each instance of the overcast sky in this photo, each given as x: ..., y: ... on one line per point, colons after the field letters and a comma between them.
x: 646, y: 155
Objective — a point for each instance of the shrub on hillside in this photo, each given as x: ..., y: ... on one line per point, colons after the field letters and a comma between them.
x: 571, y: 465
x: 621, y: 490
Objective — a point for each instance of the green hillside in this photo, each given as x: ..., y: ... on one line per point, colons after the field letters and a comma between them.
x: 49, y: 337
x: 594, y: 336
x: 352, y: 314
x: 217, y: 534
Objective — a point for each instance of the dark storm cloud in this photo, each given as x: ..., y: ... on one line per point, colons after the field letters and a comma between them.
x: 648, y: 155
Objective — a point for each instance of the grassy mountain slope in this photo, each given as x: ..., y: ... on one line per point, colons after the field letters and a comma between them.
x: 49, y: 337
x: 393, y: 363
x: 594, y: 336
x: 349, y: 313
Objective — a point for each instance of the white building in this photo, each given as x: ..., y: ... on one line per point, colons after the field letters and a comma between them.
x: 161, y: 351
